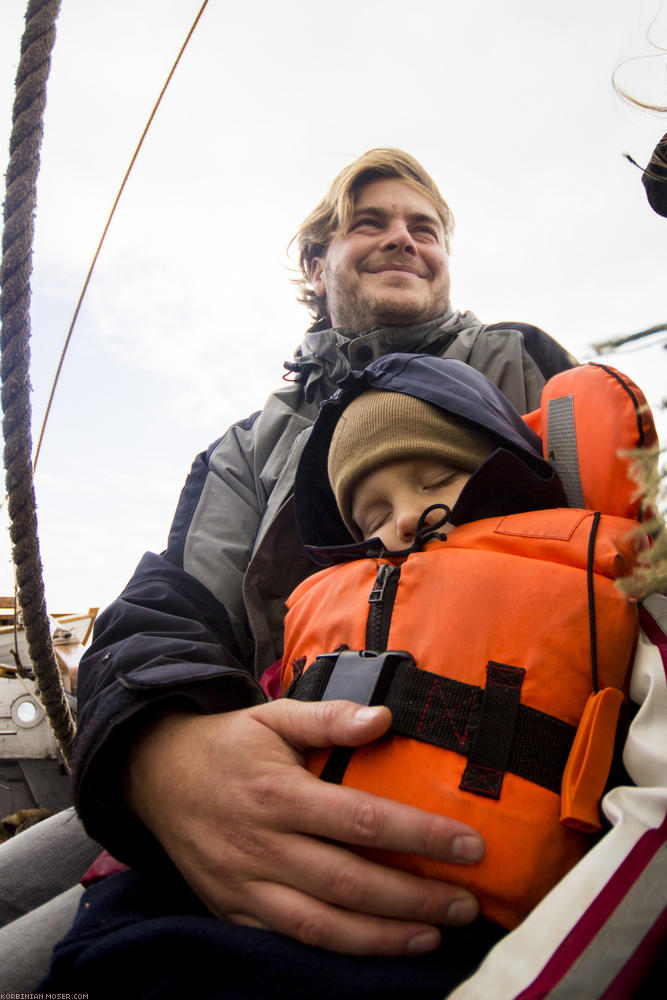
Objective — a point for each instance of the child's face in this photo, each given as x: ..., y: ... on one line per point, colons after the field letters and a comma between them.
x: 388, y: 502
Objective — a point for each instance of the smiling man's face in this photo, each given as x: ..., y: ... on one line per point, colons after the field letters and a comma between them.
x: 391, y: 267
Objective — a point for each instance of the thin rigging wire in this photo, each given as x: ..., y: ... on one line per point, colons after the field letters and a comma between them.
x: 106, y: 228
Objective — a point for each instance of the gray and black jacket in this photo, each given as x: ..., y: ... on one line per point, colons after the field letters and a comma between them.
x: 197, y: 624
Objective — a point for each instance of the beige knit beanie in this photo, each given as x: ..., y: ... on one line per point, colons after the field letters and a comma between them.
x: 380, y: 427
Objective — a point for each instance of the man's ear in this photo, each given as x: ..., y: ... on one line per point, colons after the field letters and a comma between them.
x: 317, y: 276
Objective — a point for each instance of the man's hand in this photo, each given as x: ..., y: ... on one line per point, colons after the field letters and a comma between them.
x: 261, y: 841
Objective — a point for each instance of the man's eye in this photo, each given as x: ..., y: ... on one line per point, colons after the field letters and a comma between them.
x: 366, y: 222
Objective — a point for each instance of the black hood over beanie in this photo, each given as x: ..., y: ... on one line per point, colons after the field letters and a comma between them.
x: 514, y: 478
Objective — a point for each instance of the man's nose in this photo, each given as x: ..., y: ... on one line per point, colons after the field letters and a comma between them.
x: 399, y: 237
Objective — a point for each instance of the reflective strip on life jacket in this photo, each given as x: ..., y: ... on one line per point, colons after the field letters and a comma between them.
x: 591, y: 420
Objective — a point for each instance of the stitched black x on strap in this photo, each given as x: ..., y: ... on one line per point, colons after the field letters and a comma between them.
x: 487, y: 725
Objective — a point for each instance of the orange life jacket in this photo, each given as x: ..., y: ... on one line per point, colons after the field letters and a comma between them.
x: 519, y: 643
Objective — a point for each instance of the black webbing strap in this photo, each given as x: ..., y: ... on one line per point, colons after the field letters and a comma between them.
x: 448, y: 713
x: 491, y: 748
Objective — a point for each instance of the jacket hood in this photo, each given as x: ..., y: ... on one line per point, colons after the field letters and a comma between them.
x: 514, y: 478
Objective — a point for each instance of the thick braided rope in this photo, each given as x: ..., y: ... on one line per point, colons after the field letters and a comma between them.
x: 15, y: 270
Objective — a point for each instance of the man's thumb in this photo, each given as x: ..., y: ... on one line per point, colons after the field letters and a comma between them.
x: 306, y: 724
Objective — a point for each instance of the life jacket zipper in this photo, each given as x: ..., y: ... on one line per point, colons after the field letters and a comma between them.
x: 381, y: 605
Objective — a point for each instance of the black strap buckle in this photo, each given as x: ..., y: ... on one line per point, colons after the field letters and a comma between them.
x: 363, y: 676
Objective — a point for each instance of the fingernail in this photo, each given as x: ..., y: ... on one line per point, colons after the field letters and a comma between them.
x: 467, y: 848
x: 462, y: 911
x: 367, y: 713
x: 422, y: 942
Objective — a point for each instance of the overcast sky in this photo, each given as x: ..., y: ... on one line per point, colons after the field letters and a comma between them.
x: 507, y: 103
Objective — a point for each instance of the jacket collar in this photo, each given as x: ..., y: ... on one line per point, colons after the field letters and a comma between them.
x: 327, y: 355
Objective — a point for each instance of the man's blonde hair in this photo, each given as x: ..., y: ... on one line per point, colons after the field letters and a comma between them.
x: 332, y: 215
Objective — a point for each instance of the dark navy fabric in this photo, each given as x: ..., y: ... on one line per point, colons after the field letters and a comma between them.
x: 141, y: 937
x: 187, y: 504
x: 450, y: 385
x: 156, y: 649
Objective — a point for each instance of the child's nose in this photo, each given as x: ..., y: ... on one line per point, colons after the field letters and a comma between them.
x: 407, y: 521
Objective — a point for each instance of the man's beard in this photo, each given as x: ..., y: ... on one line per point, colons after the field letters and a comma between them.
x: 362, y: 309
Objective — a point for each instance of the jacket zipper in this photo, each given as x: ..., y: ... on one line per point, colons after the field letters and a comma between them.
x: 381, y: 605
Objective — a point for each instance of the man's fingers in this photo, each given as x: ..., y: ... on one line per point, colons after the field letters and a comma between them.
x: 301, y: 803
x: 346, y: 814
x: 369, y: 820
x: 352, y: 882
x: 320, y: 925
x: 323, y: 723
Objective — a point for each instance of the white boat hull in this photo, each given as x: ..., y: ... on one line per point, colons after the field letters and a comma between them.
x: 24, y: 728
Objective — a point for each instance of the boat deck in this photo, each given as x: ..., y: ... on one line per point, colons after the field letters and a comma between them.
x: 31, y: 784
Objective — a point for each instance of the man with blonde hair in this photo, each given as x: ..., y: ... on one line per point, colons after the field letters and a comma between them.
x: 334, y: 213
x: 181, y: 764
